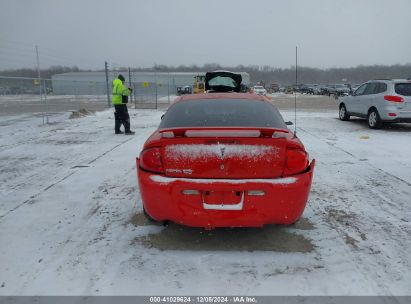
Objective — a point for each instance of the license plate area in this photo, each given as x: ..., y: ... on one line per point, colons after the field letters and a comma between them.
x: 223, y: 200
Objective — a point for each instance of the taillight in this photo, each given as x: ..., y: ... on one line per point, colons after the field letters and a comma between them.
x: 296, y: 161
x: 393, y: 98
x: 150, y: 160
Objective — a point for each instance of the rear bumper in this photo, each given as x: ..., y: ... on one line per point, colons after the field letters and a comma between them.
x: 395, y: 113
x: 399, y: 119
x: 283, y: 201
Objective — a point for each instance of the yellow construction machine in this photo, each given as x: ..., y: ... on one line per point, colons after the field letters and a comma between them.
x: 199, y: 84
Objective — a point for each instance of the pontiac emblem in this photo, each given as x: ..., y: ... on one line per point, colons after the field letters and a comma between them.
x: 222, y: 152
x: 222, y: 167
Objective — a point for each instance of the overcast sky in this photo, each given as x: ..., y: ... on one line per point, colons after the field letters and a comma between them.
x: 137, y: 33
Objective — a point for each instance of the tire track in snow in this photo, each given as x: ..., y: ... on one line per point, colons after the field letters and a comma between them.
x: 74, y: 252
x: 32, y: 197
x: 365, y: 262
x: 375, y: 191
x: 345, y: 151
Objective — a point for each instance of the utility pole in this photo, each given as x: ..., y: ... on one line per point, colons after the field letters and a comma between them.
x: 295, y: 92
x: 107, y: 88
x: 155, y: 80
x: 38, y: 62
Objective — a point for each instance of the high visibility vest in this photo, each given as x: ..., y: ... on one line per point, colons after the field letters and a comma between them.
x: 119, y: 90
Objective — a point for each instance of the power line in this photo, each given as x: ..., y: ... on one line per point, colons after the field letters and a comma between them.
x: 26, y: 48
x: 30, y: 46
x: 19, y: 62
x: 16, y: 42
x: 54, y: 55
x: 13, y: 51
x: 17, y: 56
x: 30, y: 52
x: 31, y: 57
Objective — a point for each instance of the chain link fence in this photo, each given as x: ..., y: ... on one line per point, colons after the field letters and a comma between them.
x: 48, y: 98
x: 151, y: 95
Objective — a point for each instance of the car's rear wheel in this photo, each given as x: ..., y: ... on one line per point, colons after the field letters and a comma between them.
x: 147, y: 216
x: 343, y: 113
x: 374, y: 119
x: 151, y: 220
x: 293, y: 224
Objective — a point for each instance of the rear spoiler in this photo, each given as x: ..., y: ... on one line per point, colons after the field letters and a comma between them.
x: 222, y: 132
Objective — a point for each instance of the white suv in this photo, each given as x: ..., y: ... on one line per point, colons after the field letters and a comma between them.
x: 379, y: 101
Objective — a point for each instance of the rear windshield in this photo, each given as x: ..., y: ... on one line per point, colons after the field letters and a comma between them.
x: 222, y: 113
x: 403, y: 89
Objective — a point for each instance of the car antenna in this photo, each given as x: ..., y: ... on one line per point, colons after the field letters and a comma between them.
x: 295, y: 94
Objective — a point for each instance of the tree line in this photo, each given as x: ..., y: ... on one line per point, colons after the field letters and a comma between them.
x: 308, y: 75
x: 44, y: 73
x: 266, y: 73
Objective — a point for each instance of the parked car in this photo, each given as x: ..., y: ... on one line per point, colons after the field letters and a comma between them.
x: 379, y: 101
x: 184, y: 90
x: 324, y: 89
x: 341, y: 90
x: 305, y: 89
x: 274, y: 88
x: 316, y: 89
x: 224, y: 159
x: 330, y: 89
x: 259, y: 90
x: 354, y: 87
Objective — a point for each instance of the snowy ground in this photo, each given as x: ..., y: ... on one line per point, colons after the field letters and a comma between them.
x: 71, y: 222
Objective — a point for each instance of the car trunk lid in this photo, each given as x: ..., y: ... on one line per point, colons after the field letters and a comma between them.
x: 223, y: 81
x: 404, y: 90
x: 227, y: 153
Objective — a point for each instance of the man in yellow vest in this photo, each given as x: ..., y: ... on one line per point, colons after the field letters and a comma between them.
x: 119, y: 101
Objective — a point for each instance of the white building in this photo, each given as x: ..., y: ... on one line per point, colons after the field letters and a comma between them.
x: 94, y: 83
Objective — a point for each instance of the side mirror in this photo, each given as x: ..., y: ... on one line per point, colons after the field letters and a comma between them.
x: 162, y: 117
x: 289, y: 123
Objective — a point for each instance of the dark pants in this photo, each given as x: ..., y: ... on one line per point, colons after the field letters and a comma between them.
x: 121, y: 117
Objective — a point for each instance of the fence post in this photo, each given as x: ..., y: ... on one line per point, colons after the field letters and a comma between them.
x: 129, y: 84
x: 155, y: 82
x: 174, y: 85
x: 75, y: 89
x: 107, y: 88
x: 41, y: 98
x: 134, y: 93
x: 45, y: 100
x: 168, y: 87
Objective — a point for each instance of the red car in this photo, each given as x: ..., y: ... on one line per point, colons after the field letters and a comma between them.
x: 224, y: 159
